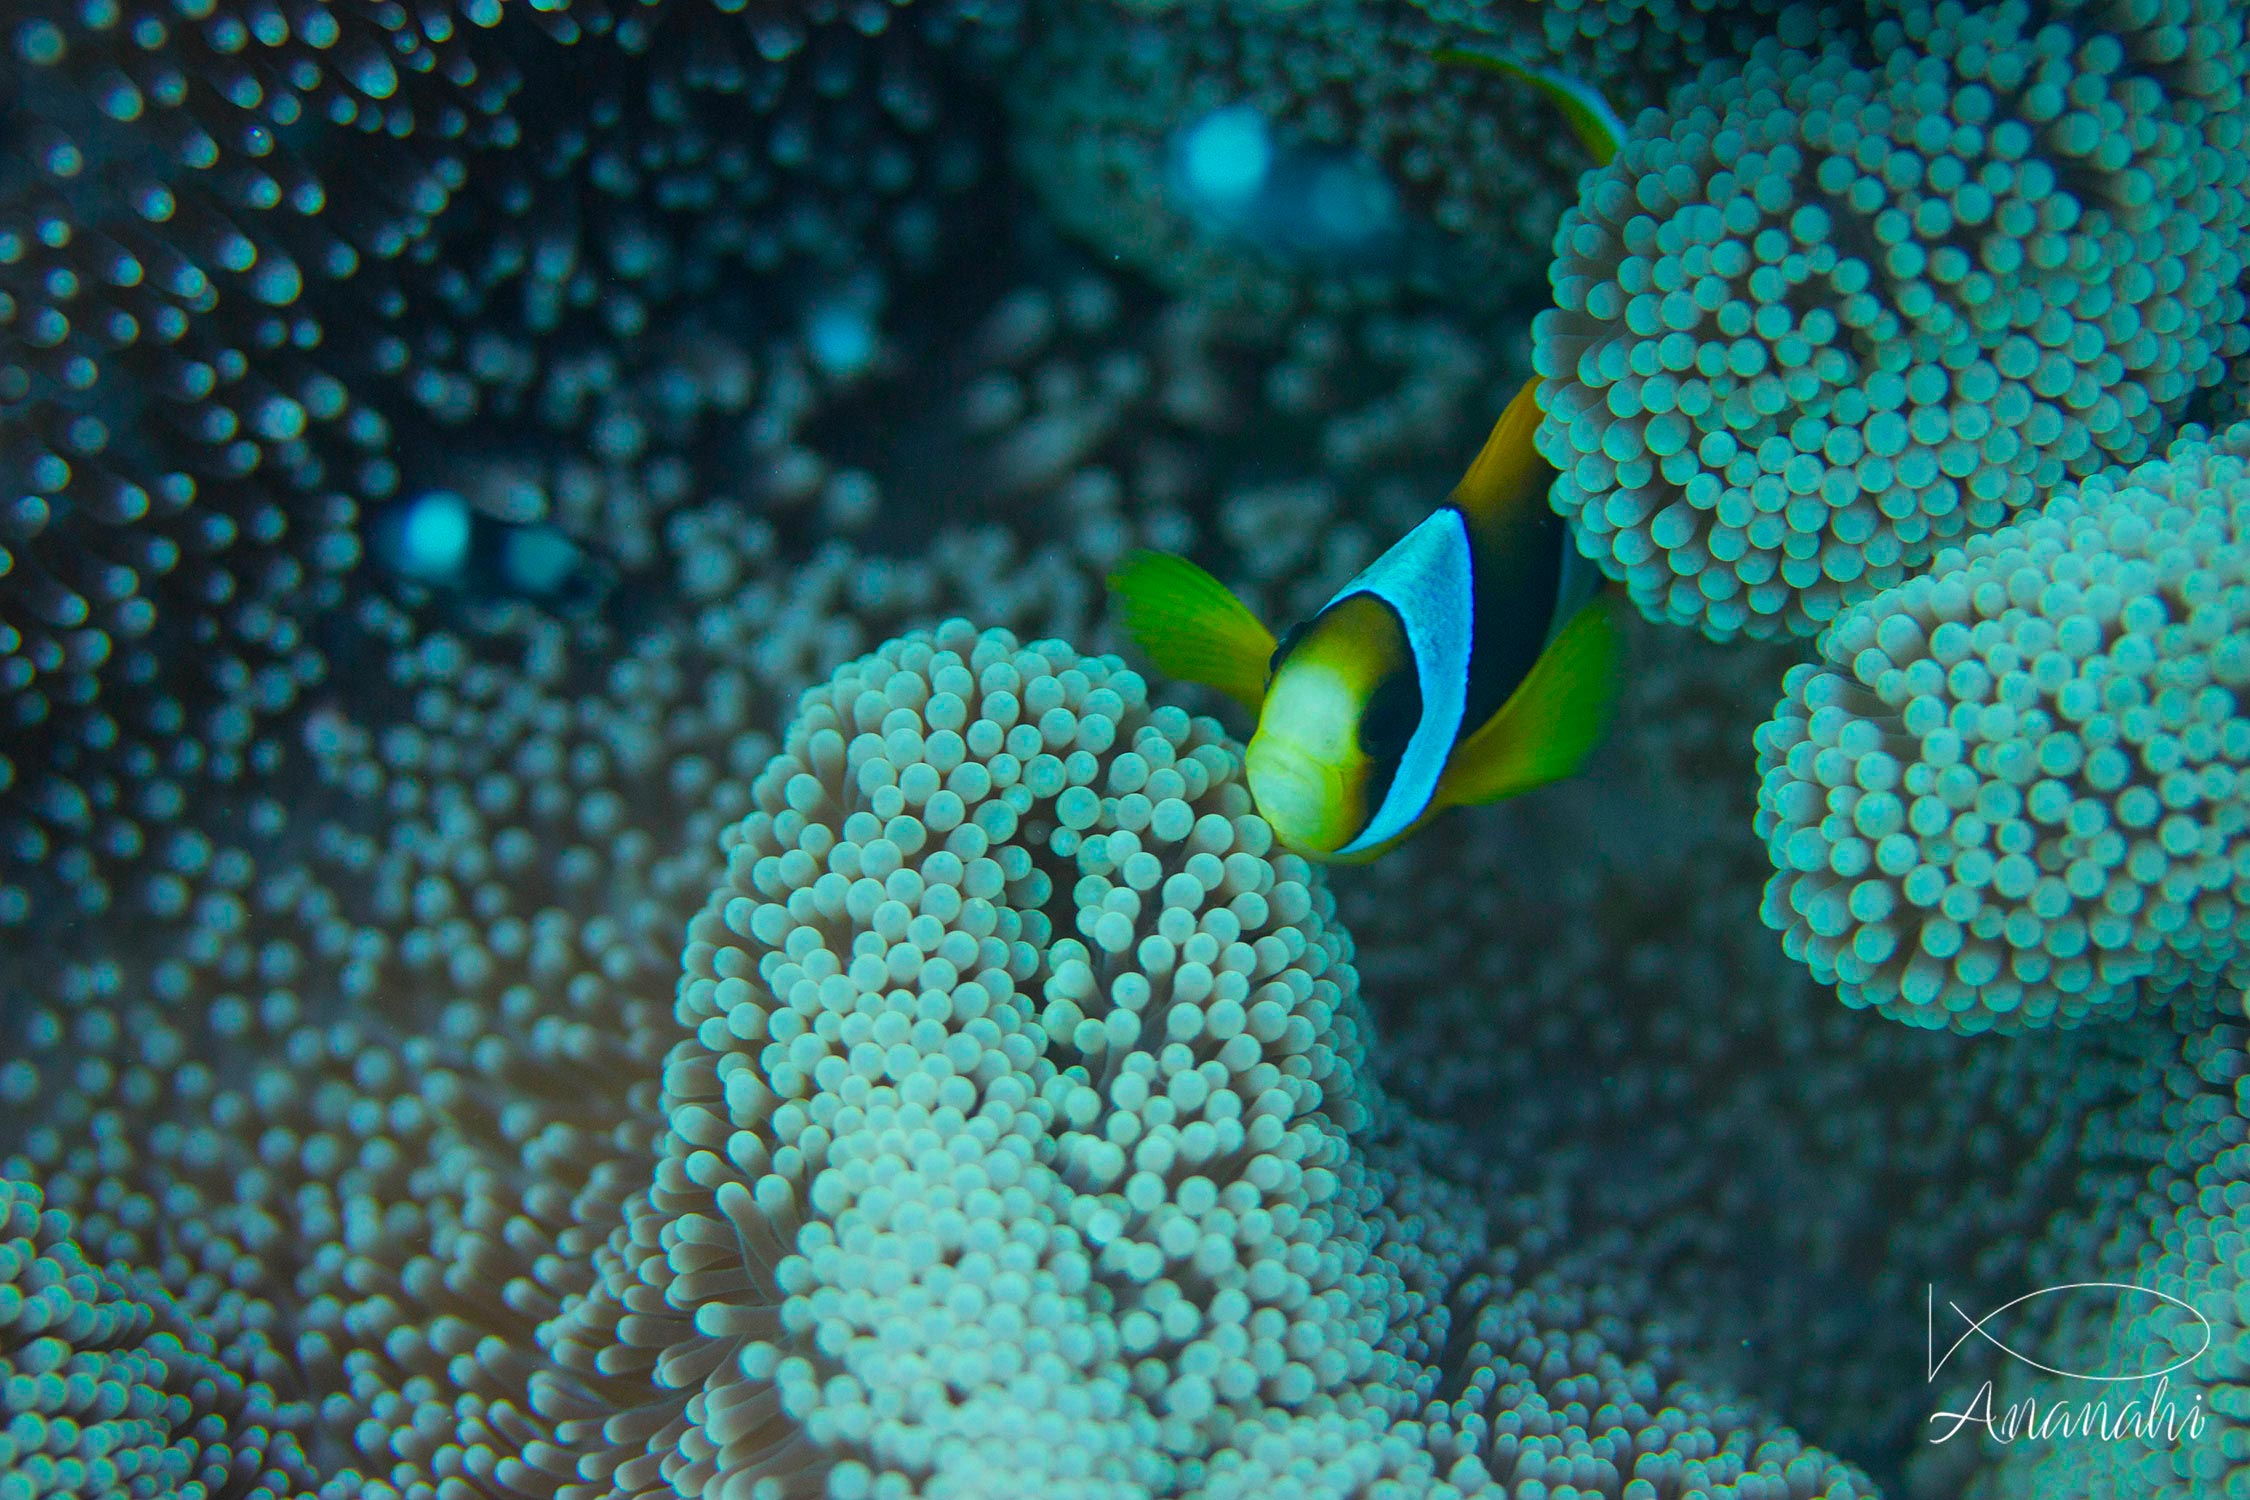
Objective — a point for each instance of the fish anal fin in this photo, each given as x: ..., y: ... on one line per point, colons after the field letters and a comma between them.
x: 1508, y: 471
x: 1551, y: 722
x: 1191, y: 626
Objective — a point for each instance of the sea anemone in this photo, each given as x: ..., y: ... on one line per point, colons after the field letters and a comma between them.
x: 2010, y: 796
x: 1854, y: 298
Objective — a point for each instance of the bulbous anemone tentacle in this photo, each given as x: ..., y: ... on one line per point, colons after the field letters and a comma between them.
x: 1880, y: 287
x: 1021, y: 1135
x: 2012, y: 795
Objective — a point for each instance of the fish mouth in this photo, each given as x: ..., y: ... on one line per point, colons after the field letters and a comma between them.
x: 1302, y: 798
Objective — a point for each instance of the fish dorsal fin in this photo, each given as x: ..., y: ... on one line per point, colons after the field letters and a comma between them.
x: 1551, y: 722
x: 1598, y: 127
x: 1508, y: 472
x: 1191, y: 626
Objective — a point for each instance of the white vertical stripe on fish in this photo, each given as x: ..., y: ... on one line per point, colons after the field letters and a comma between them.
x: 1428, y: 579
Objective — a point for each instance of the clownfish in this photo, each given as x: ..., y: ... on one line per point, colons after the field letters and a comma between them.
x: 1295, y: 199
x: 441, y: 541
x: 1474, y: 660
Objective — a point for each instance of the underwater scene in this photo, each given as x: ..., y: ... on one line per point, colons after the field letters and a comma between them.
x: 1109, y: 749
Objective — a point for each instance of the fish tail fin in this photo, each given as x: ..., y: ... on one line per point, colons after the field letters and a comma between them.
x: 1597, y: 126
x: 1508, y: 469
x: 1191, y: 626
x: 1551, y: 722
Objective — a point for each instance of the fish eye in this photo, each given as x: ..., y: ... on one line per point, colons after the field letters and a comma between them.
x: 1288, y: 643
x: 1393, y: 711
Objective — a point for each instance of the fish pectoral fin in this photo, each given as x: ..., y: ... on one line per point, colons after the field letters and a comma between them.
x: 1551, y: 722
x: 1192, y: 626
x: 1592, y: 120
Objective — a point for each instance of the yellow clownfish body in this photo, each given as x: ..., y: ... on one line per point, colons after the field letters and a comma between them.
x: 1472, y: 661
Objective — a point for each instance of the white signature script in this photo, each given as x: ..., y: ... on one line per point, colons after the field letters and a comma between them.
x: 2149, y: 1413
